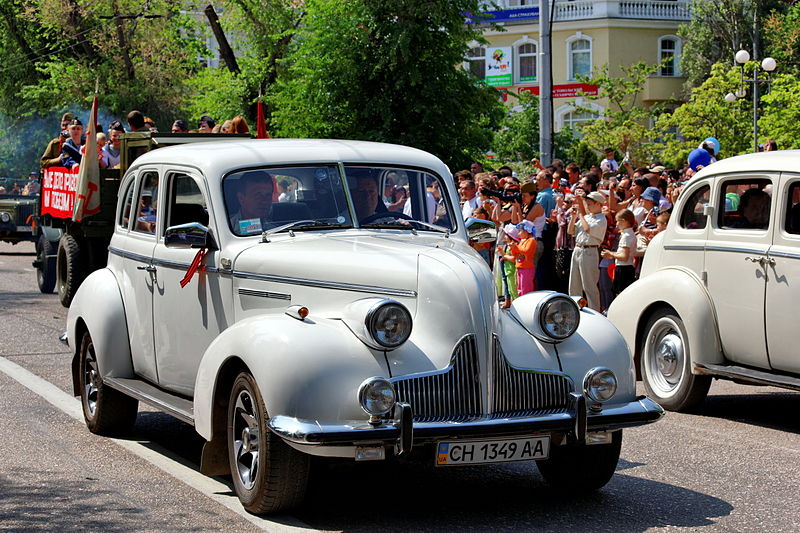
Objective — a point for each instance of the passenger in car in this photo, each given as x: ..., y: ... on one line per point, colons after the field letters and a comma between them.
x: 754, y: 207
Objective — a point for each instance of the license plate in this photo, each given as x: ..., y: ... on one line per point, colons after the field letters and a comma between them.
x: 450, y: 453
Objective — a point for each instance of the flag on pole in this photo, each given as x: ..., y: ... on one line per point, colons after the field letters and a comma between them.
x: 87, y: 196
x: 261, y: 124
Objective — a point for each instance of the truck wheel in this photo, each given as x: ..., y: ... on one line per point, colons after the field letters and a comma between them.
x: 581, y: 468
x: 70, y: 268
x: 106, y: 411
x: 666, y: 364
x: 45, y: 265
x: 269, y: 476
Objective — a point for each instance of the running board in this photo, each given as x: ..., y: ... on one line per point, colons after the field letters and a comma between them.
x: 748, y: 375
x: 170, y: 403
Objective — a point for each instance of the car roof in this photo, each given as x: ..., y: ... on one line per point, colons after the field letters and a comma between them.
x: 777, y: 161
x: 219, y: 158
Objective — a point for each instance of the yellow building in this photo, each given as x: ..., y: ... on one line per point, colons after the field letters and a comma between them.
x: 585, y: 35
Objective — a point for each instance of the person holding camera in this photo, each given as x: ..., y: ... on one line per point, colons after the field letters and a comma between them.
x: 588, y: 224
x: 52, y: 154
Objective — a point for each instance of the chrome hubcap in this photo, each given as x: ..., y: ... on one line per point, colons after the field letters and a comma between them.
x: 91, y: 380
x: 247, y: 443
x: 668, y: 356
x: 665, y: 357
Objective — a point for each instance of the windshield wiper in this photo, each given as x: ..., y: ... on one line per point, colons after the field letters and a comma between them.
x: 302, y: 225
x: 407, y: 224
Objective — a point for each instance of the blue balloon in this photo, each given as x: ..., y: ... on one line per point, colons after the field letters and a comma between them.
x: 715, y: 142
x: 699, y: 158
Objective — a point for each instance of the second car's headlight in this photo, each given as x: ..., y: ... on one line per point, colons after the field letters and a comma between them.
x: 376, y: 396
x: 558, y: 316
x: 389, y: 324
x: 5, y: 217
x: 600, y: 384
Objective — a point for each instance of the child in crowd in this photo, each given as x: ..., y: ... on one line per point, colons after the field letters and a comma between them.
x: 508, y: 267
x: 624, y: 271
x: 522, y: 254
x: 483, y: 248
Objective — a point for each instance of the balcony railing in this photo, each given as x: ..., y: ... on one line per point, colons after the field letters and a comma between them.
x: 677, y: 10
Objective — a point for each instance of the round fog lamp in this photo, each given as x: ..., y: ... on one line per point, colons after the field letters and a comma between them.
x: 389, y: 324
x: 376, y: 396
x: 5, y: 217
x: 559, y: 317
x: 600, y: 384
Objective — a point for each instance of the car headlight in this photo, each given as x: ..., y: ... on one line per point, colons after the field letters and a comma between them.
x: 388, y: 323
x: 5, y: 217
x: 558, y: 316
x: 376, y: 396
x: 600, y: 384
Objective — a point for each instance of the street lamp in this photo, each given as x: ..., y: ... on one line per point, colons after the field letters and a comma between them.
x: 768, y: 65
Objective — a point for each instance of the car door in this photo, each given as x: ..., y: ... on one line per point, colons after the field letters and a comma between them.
x: 131, y: 251
x: 186, y: 319
x: 735, y: 255
x: 783, y: 278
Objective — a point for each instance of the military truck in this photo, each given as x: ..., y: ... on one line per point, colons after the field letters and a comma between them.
x: 18, y: 203
x: 68, y: 250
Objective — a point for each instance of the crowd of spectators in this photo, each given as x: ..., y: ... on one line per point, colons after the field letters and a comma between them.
x: 579, y: 231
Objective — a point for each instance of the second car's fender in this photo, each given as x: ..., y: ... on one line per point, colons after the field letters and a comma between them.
x: 680, y: 289
x: 106, y: 323
x: 307, y: 369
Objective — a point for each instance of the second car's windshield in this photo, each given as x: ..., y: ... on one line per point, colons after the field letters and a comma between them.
x: 259, y: 200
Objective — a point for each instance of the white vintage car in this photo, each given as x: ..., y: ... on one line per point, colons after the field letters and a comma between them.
x: 716, y: 297
x: 264, y: 292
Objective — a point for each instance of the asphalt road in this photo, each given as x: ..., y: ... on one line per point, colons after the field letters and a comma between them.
x: 733, y: 466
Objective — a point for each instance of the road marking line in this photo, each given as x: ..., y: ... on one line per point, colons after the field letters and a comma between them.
x: 152, y: 453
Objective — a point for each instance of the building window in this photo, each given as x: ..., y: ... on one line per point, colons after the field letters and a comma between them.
x: 669, y: 56
x: 476, y: 62
x: 575, y: 118
x: 521, y: 3
x: 526, y: 62
x: 580, y: 58
x: 568, y: 116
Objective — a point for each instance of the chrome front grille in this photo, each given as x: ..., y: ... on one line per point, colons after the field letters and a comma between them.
x: 520, y: 392
x: 456, y: 393
x: 452, y: 394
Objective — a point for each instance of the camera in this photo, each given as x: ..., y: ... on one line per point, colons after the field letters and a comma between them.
x: 64, y: 134
x: 502, y: 195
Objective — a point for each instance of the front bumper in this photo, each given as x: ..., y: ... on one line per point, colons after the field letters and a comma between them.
x: 575, y: 423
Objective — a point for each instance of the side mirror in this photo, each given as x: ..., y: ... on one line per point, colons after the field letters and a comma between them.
x: 480, y: 231
x: 191, y: 235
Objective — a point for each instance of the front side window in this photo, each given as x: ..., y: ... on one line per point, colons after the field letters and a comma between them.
x: 186, y: 202
x: 526, y: 54
x: 745, y: 204
x: 692, y: 216
x: 476, y: 60
x: 580, y: 58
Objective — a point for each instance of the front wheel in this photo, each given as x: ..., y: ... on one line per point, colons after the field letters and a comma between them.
x: 665, y: 364
x: 70, y: 268
x: 581, y: 468
x: 45, y: 264
x: 106, y: 411
x: 268, y: 475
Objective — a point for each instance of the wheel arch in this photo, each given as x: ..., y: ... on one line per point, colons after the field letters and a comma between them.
x: 674, y: 289
x: 106, y: 324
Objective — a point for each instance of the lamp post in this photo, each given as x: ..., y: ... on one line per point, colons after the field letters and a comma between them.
x: 767, y: 65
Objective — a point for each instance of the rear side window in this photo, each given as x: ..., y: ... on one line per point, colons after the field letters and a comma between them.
x: 792, y: 223
x: 745, y: 204
x: 125, y: 213
x: 692, y: 216
x: 147, y: 207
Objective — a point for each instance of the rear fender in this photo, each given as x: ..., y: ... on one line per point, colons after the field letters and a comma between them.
x: 98, y: 307
x: 672, y: 287
x: 309, y: 369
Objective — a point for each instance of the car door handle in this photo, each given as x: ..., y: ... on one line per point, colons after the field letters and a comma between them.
x: 147, y: 268
x: 760, y: 260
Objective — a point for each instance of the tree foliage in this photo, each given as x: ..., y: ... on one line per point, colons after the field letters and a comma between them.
x: 780, y: 117
x: 385, y: 70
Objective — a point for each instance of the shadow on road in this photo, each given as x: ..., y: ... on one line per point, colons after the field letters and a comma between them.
x: 767, y: 409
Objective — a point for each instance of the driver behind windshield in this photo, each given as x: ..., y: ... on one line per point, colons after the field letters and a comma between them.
x: 255, y: 201
x: 365, y: 196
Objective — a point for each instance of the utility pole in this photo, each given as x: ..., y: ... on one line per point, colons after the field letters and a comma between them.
x: 545, y: 86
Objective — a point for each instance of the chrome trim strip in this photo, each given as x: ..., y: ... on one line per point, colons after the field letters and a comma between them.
x: 735, y: 250
x: 786, y: 255
x: 129, y: 255
x: 265, y: 294
x: 171, y: 264
x: 695, y: 248
x: 638, y: 412
x: 327, y: 284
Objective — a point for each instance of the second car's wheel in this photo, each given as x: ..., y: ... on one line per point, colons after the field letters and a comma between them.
x: 45, y: 264
x: 106, y: 411
x: 268, y: 475
x: 581, y: 468
x: 70, y: 268
x: 665, y: 364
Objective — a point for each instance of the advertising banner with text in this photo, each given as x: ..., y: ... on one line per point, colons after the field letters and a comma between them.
x: 498, y: 66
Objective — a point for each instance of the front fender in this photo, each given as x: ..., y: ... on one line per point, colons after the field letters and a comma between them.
x: 106, y: 324
x: 680, y: 289
x: 308, y: 369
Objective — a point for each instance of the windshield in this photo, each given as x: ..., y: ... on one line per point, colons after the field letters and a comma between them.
x: 315, y: 197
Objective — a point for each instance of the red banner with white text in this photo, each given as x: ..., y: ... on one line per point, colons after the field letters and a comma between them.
x: 58, y: 191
